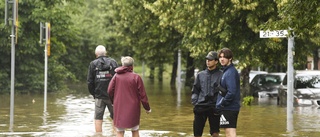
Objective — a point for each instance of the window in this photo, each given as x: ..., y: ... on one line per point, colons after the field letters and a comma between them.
x: 308, y: 81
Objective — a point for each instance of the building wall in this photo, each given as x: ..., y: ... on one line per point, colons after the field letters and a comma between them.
x: 310, y: 63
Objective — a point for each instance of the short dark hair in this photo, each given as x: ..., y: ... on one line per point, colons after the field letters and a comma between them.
x: 227, y: 53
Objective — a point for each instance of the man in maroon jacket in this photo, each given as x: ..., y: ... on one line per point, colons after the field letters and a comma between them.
x: 126, y: 91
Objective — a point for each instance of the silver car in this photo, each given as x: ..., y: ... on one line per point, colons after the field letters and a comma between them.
x: 306, y: 88
x: 266, y: 85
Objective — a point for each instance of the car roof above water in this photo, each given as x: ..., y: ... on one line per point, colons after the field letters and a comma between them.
x: 281, y: 74
x: 301, y: 72
x: 253, y: 73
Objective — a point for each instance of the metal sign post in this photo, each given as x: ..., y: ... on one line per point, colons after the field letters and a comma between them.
x: 290, y: 81
x: 14, y: 26
x: 45, y: 37
x: 290, y: 70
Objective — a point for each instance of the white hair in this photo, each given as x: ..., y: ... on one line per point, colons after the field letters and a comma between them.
x: 101, y: 50
x: 127, y: 61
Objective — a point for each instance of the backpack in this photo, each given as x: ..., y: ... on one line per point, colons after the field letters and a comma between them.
x: 104, y: 70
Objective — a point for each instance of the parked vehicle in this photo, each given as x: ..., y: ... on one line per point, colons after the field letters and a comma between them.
x: 254, y: 73
x: 266, y: 85
x: 306, y: 88
x: 281, y: 74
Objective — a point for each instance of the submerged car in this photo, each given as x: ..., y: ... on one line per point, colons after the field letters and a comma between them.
x: 266, y: 85
x: 306, y: 88
x: 253, y: 73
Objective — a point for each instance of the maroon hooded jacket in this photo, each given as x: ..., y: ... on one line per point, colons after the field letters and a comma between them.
x: 126, y: 91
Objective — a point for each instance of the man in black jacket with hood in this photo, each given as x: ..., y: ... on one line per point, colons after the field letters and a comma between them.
x: 100, y: 72
x: 204, y: 97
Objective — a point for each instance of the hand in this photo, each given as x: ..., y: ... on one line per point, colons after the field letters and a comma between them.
x: 217, y: 111
x: 148, y: 111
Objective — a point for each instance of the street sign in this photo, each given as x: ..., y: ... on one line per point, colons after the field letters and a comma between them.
x: 274, y: 34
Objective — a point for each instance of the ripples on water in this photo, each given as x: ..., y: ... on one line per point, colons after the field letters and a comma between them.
x: 72, y: 116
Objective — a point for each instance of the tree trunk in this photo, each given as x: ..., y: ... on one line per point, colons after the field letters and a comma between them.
x: 245, y: 81
x: 174, y: 69
x: 160, y: 73
x: 190, y: 71
x: 151, y: 77
x: 315, y: 59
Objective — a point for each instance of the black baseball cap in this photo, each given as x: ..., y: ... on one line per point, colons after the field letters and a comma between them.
x: 212, y: 55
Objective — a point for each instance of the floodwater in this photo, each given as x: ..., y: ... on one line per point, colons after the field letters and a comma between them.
x: 71, y: 115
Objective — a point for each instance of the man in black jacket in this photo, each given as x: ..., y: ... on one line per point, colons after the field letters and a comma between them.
x: 100, y: 72
x: 204, y: 97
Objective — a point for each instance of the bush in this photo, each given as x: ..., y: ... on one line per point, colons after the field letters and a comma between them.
x: 248, y: 100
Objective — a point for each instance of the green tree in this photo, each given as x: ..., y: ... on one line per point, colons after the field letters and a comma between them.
x: 301, y: 18
x: 152, y: 31
x: 29, y: 55
x: 211, y: 25
x: 138, y: 30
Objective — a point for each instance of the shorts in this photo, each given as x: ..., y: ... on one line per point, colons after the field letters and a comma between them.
x: 229, y: 119
x: 100, y: 107
x: 135, y: 128
x: 200, y: 117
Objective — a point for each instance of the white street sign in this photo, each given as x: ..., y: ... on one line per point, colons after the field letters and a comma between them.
x: 274, y: 34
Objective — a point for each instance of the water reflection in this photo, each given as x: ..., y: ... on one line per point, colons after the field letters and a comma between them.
x: 44, y: 118
x: 72, y: 115
x: 178, y: 93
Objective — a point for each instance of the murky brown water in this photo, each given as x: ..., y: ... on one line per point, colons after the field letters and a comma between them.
x: 72, y: 116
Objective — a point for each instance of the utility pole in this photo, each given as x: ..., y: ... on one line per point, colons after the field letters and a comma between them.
x: 290, y: 86
x: 14, y: 25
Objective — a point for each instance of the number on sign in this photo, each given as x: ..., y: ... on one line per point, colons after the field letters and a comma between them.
x: 273, y: 34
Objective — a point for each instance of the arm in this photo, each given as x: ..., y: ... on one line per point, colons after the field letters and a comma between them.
x: 195, y: 90
x: 231, y: 89
x: 114, y: 65
x: 90, y: 80
x: 111, y: 88
x: 143, y: 95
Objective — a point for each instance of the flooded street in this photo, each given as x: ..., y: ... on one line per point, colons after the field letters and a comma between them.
x: 71, y: 115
